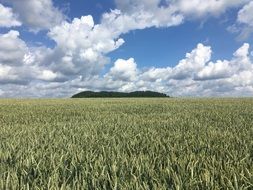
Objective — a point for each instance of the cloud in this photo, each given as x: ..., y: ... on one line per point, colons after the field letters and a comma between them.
x: 245, y: 14
x: 12, y: 49
x: 7, y: 17
x: 195, y: 75
x: 186, y: 68
x: 214, y: 71
x: 245, y: 19
x: 37, y: 14
x: 84, y: 34
x: 81, y: 47
x: 244, y: 23
x: 153, y: 74
x: 47, y: 75
x: 142, y: 14
x: 80, y: 51
x: 209, y: 78
x: 193, y: 62
x: 161, y: 12
x: 200, y: 8
x: 20, y: 64
x: 124, y: 70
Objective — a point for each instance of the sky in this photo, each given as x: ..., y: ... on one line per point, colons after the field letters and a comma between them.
x: 56, y: 48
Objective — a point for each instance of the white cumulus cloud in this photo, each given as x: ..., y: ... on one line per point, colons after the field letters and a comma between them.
x: 81, y: 47
x: 124, y: 70
x: 37, y: 14
x: 12, y: 49
x: 20, y: 64
x: 7, y: 17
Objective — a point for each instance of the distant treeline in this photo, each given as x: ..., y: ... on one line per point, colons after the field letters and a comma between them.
x: 106, y: 94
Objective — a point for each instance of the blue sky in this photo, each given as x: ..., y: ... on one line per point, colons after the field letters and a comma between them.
x: 181, y: 48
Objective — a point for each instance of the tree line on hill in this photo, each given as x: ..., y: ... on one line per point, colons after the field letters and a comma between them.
x: 107, y: 94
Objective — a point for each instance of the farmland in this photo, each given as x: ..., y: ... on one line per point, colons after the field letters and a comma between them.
x: 126, y: 144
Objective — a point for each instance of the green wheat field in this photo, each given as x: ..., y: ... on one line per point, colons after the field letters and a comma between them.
x: 125, y: 143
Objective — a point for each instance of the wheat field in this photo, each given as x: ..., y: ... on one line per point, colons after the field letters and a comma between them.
x: 151, y: 143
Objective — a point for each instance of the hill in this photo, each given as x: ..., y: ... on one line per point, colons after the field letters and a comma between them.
x: 106, y: 94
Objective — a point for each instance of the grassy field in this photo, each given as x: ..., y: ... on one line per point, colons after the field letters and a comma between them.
x: 126, y: 144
